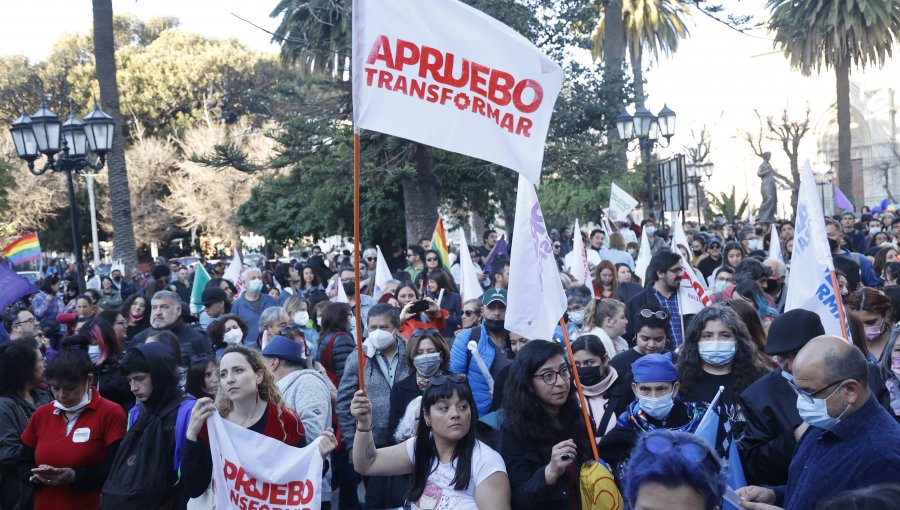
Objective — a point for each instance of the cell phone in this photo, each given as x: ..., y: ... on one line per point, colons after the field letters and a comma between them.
x: 419, y: 306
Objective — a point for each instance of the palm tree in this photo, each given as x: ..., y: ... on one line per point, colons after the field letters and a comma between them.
x: 315, y: 35
x: 653, y: 25
x: 836, y: 34
x: 119, y: 195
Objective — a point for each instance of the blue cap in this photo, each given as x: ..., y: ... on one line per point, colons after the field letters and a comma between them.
x: 654, y: 368
x: 284, y: 348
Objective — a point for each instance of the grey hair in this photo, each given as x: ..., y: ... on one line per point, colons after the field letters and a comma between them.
x: 246, y: 274
x: 270, y: 315
x: 778, y: 268
x: 167, y: 295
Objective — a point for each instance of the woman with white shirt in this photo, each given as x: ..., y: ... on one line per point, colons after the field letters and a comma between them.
x: 450, y: 468
x: 606, y: 320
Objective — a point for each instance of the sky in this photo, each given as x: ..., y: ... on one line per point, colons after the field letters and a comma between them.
x: 717, y: 78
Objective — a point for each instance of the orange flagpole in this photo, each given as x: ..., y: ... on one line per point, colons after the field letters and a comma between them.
x: 840, y: 306
x: 360, y: 361
x: 584, y: 410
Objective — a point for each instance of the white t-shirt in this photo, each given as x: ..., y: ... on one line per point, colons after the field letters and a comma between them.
x: 439, y: 493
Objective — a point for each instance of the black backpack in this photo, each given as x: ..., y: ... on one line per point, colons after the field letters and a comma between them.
x: 141, y: 475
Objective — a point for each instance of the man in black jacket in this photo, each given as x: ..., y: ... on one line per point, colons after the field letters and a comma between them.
x: 165, y: 312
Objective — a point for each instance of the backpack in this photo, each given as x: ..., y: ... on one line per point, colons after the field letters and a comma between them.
x: 137, y: 479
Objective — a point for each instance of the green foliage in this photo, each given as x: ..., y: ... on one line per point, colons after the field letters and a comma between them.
x: 727, y: 205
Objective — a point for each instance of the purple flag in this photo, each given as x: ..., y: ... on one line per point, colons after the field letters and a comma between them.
x: 500, y: 250
x: 840, y: 200
x: 14, y: 287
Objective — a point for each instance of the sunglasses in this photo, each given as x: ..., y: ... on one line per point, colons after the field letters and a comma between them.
x: 440, y: 380
x: 694, y: 452
x: 660, y: 314
x: 431, y: 259
x: 556, y: 246
x: 370, y: 258
x: 469, y: 313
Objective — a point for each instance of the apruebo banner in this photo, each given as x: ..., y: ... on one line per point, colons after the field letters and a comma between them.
x: 251, y: 470
x: 442, y: 73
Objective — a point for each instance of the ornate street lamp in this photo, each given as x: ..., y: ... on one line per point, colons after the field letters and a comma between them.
x: 646, y: 129
x: 42, y: 133
x: 697, y: 173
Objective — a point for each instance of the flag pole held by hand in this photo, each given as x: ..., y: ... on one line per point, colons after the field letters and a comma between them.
x: 584, y: 409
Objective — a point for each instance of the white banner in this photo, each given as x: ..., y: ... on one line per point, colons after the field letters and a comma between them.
x: 449, y: 76
x: 691, y: 296
x: 234, y: 272
x: 810, y: 284
x: 580, y: 269
x: 469, y: 286
x: 775, y: 245
x: 382, y: 273
x: 643, y: 259
x: 536, y: 298
x: 620, y: 203
x: 251, y: 470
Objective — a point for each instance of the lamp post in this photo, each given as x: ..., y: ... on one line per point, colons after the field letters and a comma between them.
x: 697, y: 173
x: 646, y: 129
x: 42, y: 133
x: 822, y: 181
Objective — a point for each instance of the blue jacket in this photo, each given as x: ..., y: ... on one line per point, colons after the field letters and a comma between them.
x: 248, y: 314
x: 477, y: 382
x: 866, y: 269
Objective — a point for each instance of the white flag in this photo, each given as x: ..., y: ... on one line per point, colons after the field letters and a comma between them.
x: 234, y: 272
x: 469, y: 286
x: 382, y: 273
x: 580, y: 269
x: 775, y: 245
x: 691, y: 296
x: 620, y: 203
x: 251, y: 470
x: 810, y: 285
x: 536, y: 297
x: 341, y: 296
x: 447, y: 75
x: 643, y: 259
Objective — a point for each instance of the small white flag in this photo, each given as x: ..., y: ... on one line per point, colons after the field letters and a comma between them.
x: 643, y: 258
x: 234, y: 272
x: 469, y: 286
x: 536, y: 297
x: 810, y: 284
x: 580, y: 269
x: 691, y: 296
x: 620, y: 203
x: 775, y: 245
x: 341, y: 296
x: 382, y: 273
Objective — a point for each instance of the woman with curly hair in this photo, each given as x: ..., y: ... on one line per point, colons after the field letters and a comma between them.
x: 718, y: 351
x: 542, y: 436
x: 248, y: 397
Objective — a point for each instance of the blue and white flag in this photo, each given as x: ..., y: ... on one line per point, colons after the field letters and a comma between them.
x: 708, y: 431
x: 812, y: 282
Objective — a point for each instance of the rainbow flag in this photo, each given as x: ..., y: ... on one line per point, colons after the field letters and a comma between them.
x: 439, y: 243
x: 24, y: 249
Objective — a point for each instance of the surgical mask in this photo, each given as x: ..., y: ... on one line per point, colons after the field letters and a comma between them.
x: 255, y: 286
x: 319, y: 321
x: 753, y: 244
x: 717, y: 352
x: 631, y: 251
x: 590, y: 376
x: 381, y: 339
x: 577, y: 316
x: 895, y: 365
x: 874, y: 230
x: 85, y: 400
x: 427, y: 364
x: 234, y: 336
x: 658, y: 407
x: 650, y: 231
x: 301, y: 318
x: 816, y: 414
x: 873, y: 332
x: 94, y: 352
x: 495, y: 325
x: 721, y: 285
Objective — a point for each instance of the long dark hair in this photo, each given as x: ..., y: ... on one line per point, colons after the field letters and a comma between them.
x: 125, y: 309
x: 526, y: 419
x: 728, y: 247
x: 426, y: 451
x: 195, y: 383
x: 17, y: 360
x: 746, y: 367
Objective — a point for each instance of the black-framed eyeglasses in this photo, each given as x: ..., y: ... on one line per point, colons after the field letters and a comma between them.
x: 439, y: 380
x: 808, y: 395
x: 660, y: 444
x: 549, y: 377
x: 370, y: 258
x: 31, y: 320
x: 659, y: 314
x: 675, y: 270
x: 431, y: 259
x: 469, y: 313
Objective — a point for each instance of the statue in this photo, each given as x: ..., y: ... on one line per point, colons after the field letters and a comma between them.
x: 768, y: 189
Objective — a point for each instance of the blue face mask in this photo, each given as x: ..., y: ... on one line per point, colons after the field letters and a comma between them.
x: 717, y: 352
x: 816, y: 413
x: 658, y: 407
x: 255, y: 286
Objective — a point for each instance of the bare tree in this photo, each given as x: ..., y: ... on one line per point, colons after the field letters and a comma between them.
x: 789, y: 133
x: 31, y: 201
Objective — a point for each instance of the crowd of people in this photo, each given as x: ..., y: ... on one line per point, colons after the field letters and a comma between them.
x: 104, y: 395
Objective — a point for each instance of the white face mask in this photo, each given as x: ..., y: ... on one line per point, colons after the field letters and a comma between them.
x: 85, y: 400
x: 381, y: 339
x: 234, y: 336
x: 301, y: 318
x: 94, y: 352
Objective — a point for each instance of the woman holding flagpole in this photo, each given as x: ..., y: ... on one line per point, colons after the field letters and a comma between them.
x: 450, y: 468
x: 249, y: 397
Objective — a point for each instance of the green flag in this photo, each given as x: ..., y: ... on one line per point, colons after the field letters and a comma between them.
x: 201, y: 278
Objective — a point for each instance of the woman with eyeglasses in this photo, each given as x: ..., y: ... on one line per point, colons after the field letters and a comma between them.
x: 21, y: 373
x: 717, y: 351
x: 542, y: 435
x: 651, y: 333
x: 432, y: 260
x: 450, y: 469
x: 470, y: 316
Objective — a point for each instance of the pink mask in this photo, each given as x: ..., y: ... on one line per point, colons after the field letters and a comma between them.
x: 895, y: 365
x: 873, y: 332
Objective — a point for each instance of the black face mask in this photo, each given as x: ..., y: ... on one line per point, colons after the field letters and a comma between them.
x: 349, y: 288
x: 832, y: 244
x: 771, y: 285
x: 495, y: 325
x: 590, y: 376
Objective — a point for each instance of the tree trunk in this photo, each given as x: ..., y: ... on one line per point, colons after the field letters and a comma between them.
x: 845, y: 170
x: 119, y: 195
x: 614, y: 58
x: 420, y: 197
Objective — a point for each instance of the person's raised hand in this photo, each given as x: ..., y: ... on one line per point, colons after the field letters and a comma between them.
x: 562, y: 455
x: 405, y: 313
x: 432, y: 305
x: 361, y: 409
x: 203, y: 409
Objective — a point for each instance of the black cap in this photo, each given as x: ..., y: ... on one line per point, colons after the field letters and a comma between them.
x: 792, y: 330
x: 213, y: 295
